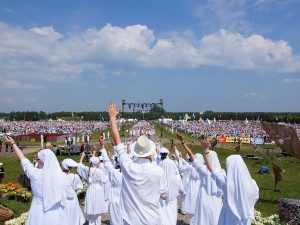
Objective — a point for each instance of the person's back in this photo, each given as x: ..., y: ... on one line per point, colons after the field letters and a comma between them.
x: 143, y: 182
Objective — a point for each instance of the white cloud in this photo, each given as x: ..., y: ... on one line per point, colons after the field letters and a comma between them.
x: 42, y: 53
x: 14, y: 84
x: 47, y: 32
x: 7, y: 100
x: 289, y: 80
x: 253, y: 95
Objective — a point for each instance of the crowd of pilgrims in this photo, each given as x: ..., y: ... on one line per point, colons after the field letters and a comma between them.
x: 196, y: 128
x: 139, y: 182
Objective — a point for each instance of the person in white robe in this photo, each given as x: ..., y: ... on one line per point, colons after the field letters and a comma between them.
x: 240, y: 190
x: 191, y: 187
x: 49, y: 187
x: 115, y: 178
x: 182, y: 163
x: 107, y: 185
x: 143, y: 182
x: 95, y: 204
x: 169, y: 207
x: 209, y: 198
x: 73, y: 209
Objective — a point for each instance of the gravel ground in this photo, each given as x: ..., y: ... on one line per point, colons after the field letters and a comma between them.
x: 181, y: 220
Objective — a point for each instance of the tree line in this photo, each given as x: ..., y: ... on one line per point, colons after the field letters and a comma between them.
x: 154, y: 114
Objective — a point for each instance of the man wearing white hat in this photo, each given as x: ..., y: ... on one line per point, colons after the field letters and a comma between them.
x: 143, y: 182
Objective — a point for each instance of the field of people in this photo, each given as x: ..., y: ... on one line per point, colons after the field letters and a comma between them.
x: 264, y: 155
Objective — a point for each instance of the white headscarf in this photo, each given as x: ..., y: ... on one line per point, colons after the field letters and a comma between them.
x: 66, y: 163
x: 200, y: 158
x: 212, y: 188
x: 54, y: 180
x: 94, y: 160
x: 241, y: 188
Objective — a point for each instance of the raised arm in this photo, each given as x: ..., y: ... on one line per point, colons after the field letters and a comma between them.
x: 112, y: 116
x: 16, y: 149
x: 205, y: 145
x: 187, y: 149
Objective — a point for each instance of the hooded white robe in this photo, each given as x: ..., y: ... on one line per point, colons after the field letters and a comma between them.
x: 49, y: 188
x: 169, y: 207
x: 240, y: 192
x: 209, y: 200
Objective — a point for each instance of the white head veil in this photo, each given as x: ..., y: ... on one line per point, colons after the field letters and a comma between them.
x: 200, y: 158
x: 241, y: 188
x: 94, y: 160
x: 212, y: 188
x: 66, y: 163
x: 54, y: 180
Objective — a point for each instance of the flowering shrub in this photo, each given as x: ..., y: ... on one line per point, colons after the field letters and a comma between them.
x: 18, y: 221
x: 284, y: 213
x: 271, y: 220
x: 14, y: 189
x: 83, y: 190
x: 26, y: 194
x: 10, y: 189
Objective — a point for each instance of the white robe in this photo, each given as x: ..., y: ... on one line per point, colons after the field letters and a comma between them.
x: 73, y: 209
x: 169, y: 206
x: 240, y: 192
x: 209, y: 200
x: 56, y: 214
x: 115, y: 178
x: 94, y: 198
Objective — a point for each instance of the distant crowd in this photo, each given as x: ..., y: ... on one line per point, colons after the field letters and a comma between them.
x: 196, y: 128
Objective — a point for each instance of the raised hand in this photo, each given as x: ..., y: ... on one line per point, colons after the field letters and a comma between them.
x: 180, y: 137
x: 112, y: 110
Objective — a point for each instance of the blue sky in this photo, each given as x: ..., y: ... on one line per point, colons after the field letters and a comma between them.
x: 73, y: 55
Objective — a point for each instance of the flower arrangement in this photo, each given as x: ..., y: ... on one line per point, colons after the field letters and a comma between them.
x: 18, y: 221
x: 26, y: 195
x: 11, y: 189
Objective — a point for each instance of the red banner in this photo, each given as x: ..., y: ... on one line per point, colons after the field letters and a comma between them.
x: 222, y: 139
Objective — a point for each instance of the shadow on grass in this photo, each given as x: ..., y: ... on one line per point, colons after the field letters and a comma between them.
x: 267, y: 201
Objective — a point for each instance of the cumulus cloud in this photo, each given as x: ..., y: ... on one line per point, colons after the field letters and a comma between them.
x: 15, y: 84
x: 7, y: 100
x: 291, y: 80
x: 45, y: 54
x: 253, y: 95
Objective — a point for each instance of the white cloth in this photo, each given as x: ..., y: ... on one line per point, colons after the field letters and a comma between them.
x: 171, y: 175
x: 73, y: 209
x: 191, y: 188
x: 37, y: 215
x: 66, y: 163
x: 54, y: 180
x: 115, y: 178
x: 169, y: 211
x: 94, y: 198
x: 209, y: 199
x: 240, y: 192
x: 143, y: 184
x: 107, y: 185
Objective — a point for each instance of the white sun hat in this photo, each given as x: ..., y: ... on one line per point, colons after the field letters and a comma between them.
x: 143, y: 147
